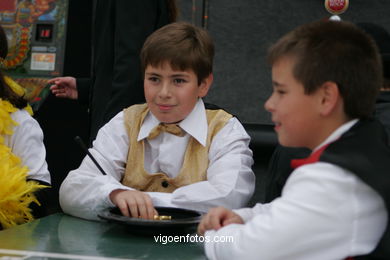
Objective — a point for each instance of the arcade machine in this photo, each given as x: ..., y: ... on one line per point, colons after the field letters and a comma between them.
x: 36, y: 31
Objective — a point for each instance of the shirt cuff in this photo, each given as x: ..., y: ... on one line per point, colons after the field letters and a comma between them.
x: 209, y: 245
x: 248, y: 213
x: 161, y: 199
x: 245, y: 213
x: 107, y: 203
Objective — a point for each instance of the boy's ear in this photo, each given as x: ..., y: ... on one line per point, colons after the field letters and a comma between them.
x: 330, y: 98
x: 205, y: 85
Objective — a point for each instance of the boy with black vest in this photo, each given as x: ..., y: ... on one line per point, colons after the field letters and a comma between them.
x: 325, y: 76
x: 172, y: 151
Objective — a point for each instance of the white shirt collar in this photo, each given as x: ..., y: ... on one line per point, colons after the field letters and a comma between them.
x: 195, y: 124
x: 337, y: 133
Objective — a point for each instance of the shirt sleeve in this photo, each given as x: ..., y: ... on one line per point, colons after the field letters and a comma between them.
x: 230, y: 179
x: 324, y: 212
x: 85, y: 191
x: 27, y: 143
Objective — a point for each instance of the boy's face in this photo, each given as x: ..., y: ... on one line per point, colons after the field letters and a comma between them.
x: 171, y: 95
x: 294, y: 113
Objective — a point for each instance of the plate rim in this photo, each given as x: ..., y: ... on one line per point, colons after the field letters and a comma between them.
x: 108, y: 215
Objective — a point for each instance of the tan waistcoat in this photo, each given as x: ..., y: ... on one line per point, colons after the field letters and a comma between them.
x: 195, y: 162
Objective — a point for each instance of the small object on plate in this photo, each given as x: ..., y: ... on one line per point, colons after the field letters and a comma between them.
x: 157, y: 217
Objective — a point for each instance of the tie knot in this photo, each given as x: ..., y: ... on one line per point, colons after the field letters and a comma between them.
x: 169, y: 128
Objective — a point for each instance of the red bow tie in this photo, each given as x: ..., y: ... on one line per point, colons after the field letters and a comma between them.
x: 314, y: 157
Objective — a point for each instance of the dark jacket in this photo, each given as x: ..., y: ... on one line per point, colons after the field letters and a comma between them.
x: 120, y: 28
x: 382, y: 109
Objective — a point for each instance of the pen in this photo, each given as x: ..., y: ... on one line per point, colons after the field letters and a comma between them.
x: 82, y: 145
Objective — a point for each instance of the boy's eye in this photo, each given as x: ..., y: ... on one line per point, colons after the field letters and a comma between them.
x: 154, y: 79
x: 279, y: 91
x: 179, y: 81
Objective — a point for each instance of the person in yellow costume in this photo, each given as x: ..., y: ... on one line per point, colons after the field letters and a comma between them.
x: 23, y: 167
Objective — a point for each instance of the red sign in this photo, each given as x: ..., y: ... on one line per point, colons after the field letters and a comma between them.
x: 8, y: 5
x: 336, y: 7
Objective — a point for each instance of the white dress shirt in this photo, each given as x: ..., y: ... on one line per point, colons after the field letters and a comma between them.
x: 230, y: 180
x: 324, y: 212
x: 27, y: 143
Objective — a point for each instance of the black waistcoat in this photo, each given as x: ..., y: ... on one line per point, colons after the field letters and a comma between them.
x: 364, y: 151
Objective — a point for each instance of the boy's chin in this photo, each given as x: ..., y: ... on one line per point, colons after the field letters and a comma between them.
x: 287, y: 143
x: 282, y: 141
x: 163, y: 118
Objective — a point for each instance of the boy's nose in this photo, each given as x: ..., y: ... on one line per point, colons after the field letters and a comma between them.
x: 268, y: 105
x: 165, y: 90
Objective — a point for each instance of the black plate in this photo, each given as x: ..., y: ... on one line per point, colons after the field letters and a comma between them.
x: 183, y: 221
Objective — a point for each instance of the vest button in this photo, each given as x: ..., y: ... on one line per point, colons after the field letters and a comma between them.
x: 165, y: 184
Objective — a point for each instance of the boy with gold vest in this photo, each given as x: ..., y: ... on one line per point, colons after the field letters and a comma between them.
x: 172, y: 151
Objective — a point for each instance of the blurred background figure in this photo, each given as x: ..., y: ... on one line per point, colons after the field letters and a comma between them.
x: 382, y: 39
x: 118, y: 31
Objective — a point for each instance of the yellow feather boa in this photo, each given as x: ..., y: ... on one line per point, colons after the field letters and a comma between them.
x: 14, y: 86
x: 16, y: 193
x: 19, y: 90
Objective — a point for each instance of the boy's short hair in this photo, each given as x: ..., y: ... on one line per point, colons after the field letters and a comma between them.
x: 183, y: 46
x: 334, y: 51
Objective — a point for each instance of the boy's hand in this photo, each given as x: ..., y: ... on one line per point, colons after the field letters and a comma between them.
x: 64, y: 87
x: 217, y: 218
x: 133, y: 203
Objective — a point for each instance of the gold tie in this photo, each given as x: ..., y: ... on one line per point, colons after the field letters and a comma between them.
x: 169, y: 128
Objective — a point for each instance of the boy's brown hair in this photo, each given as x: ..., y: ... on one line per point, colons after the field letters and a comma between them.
x: 183, y: 46
x: 335, y: 51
